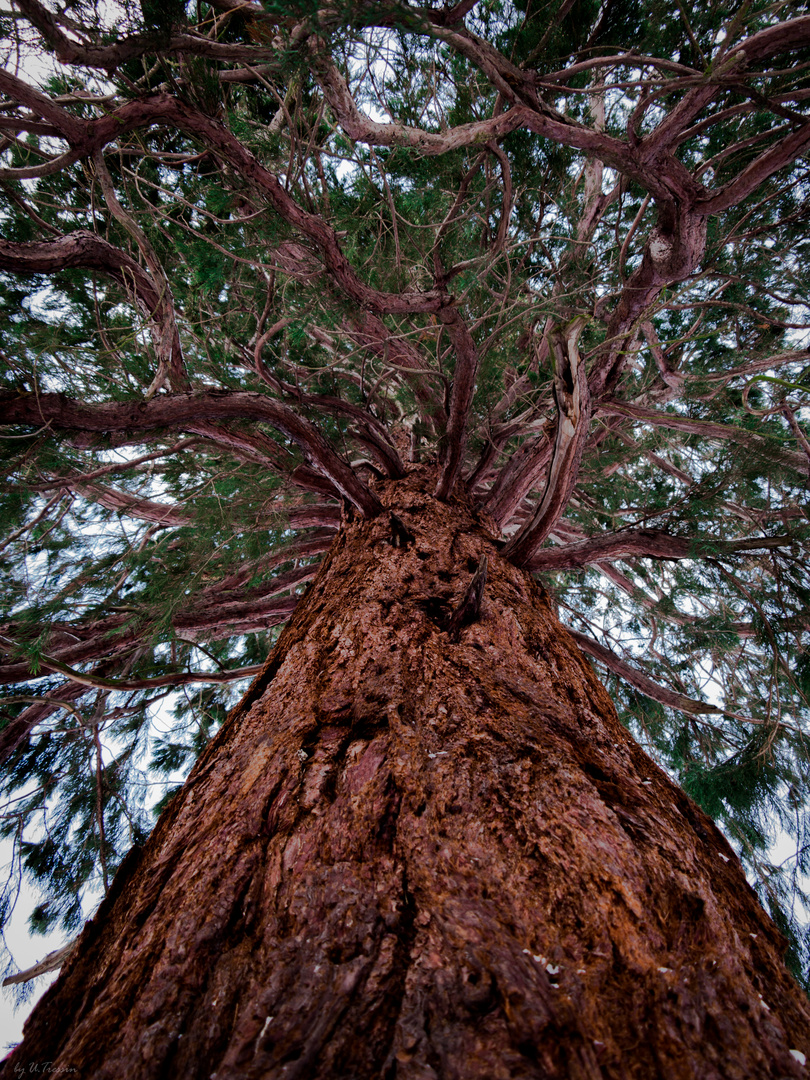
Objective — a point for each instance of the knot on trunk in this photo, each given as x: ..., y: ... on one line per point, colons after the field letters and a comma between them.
x: 470, y: 606
x: 401, y: 535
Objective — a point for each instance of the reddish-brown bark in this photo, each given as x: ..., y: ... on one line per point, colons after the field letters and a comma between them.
x: 461, y: 394
x: 573, y: 419
x: 188, y: 411
x: 520, y: 474
x: 755, y: 442
x: 408, y: 857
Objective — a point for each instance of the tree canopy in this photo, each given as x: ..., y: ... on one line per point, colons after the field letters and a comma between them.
x: 256, y: 256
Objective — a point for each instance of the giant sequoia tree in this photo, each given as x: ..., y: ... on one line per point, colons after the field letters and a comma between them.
x: 416, y: 329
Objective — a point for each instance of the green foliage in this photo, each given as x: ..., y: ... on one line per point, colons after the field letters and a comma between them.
x: 129, y: 553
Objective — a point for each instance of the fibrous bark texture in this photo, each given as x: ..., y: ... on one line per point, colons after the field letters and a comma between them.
x: 406, y: 856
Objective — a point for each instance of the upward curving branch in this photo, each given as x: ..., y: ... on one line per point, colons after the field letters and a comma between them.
x: 573, y: 418
x: 461, y: 396
x: 87, y: 251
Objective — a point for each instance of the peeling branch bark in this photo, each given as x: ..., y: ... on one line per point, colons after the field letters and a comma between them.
x: 573, y: 418
x: 461, y: 396
x: 51, y: 962
x: 643, y: 543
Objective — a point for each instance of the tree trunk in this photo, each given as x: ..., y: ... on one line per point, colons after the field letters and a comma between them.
x: 425, y: 847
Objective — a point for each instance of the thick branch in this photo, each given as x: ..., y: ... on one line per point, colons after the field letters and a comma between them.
x: 644, y: 543
x: 520, y: 475
x: 89, y: 252
x: 709, y: 430
x: 257, y: 448
x: 212, y: 622
x: 642, y: 682
x: 68, y: 126
x: 51, y: 962
x: 361, y: 128
x: 782, y: 38
x: 785, y: 151
x: 173, y: 678
x: 672, y: 252
x: 123, y: 502
x: 461, y: 396
x: 184, y: 412
x: 109, y: 57
x: 313, y: 515
x: 573, y: 418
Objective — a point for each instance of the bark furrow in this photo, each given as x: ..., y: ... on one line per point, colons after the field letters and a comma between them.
x: 405, y: 857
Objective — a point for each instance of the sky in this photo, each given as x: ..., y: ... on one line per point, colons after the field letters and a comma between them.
x: 27, y: 949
